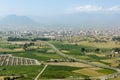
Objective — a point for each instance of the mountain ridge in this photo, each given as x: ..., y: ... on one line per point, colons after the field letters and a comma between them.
x: 17, y: 20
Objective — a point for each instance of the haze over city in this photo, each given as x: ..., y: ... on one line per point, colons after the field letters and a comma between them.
x: 88, y: 13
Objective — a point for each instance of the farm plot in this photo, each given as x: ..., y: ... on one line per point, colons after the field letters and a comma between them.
x: 109, y: 44
x: 24, y: 72
x: 38, y: 50
x: 8, y: 59
x: 60, y: 72
x: 89, y: 72
x: 95, y: 72
x: 72, y: 64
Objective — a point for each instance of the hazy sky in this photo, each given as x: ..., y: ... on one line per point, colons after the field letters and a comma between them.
x: 58, y: 7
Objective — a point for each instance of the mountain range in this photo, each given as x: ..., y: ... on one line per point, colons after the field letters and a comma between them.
x: 17, y: 20
x: 63, y: 21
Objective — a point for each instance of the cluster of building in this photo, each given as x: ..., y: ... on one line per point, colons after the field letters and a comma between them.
x: 57, y: 33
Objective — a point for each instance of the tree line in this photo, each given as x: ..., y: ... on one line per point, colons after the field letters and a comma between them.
x: 26, y: 39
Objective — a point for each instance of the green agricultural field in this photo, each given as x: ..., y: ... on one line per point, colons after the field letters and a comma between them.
x: 60, y: 72
x: 76, y: 51
x: 35, y: 55
x: 39, y: 51
x: 72, y: 48
x: 43, y: 52
x: 28, y: 72
x: 106, y: 71
x: 109, y: 44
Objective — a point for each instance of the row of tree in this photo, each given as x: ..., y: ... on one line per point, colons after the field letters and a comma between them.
x: 26, y: 45
x: 90, y: 50
x: 116, y: 39
x: 17, y: 39
x: 26, y: 39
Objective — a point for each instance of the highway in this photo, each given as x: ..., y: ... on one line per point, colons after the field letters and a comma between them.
x: 87, y: 62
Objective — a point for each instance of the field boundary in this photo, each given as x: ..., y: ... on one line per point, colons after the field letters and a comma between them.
x: 36, y: 78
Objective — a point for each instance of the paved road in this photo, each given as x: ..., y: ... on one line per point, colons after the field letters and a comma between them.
x: 41, y: 72
x: 87, y: 62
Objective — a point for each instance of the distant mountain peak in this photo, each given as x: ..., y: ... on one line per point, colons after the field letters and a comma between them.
x: 16, y: 20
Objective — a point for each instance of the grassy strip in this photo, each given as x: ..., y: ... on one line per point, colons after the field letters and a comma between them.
x: 106, y: 71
